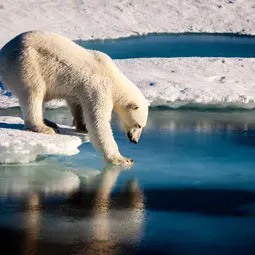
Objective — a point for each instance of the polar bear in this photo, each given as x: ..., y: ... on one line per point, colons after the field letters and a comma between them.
x: 39, y: 66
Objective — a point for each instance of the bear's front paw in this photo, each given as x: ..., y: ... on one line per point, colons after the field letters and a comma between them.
x: 121, y: 161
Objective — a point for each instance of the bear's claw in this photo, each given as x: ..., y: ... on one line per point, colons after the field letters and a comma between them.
x: 121, y: 161
x: 51, y: 124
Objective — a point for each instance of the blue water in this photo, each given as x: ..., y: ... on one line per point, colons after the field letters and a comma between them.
x: 191, y: 191
x: 176, y: 45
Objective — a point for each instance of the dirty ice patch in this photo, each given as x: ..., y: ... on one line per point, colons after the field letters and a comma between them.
x: 20, y: 146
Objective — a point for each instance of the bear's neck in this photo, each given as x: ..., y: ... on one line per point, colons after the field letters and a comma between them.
x: 123, y: 90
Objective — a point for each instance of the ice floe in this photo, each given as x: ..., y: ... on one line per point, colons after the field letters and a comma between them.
x: 194, y: 82
x: 20, y: 146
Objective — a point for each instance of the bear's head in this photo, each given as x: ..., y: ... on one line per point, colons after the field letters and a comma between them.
x: 133, y: 116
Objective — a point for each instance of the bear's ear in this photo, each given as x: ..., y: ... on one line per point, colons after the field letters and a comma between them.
x: 132, y: 106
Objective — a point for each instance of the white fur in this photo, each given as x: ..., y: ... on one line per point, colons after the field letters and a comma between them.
x: 40, y: 66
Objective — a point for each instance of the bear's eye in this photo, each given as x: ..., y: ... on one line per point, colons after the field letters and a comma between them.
x: 138, y: 126
x: 132, y: 106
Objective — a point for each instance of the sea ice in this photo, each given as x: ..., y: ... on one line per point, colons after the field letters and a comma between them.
x: 20, y: 146
x: 200, y: 82
x: 33, y: 178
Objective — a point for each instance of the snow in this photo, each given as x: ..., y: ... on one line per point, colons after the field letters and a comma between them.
x: 7, y: 101
x: 102, y: 19
x: 20, y: 146
x: 190, y: 82
x: 200, y: 82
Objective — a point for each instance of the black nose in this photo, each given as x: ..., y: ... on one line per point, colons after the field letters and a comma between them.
x: 131, y: 138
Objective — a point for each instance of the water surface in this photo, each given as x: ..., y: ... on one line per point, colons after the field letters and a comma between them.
x: 176, y: 45
x: 191, y: 191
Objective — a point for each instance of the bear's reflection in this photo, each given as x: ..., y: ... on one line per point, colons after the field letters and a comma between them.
x: 91, y: 221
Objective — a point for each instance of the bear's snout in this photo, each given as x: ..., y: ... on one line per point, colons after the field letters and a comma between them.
x: 134, y: 136
x: 131, y: 139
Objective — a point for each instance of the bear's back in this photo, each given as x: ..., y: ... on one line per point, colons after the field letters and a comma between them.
x: 46, y: 44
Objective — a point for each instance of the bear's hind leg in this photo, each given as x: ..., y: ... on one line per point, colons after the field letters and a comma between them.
x: 51, y: 124
x: 32, y: 108
x: 78, y: 120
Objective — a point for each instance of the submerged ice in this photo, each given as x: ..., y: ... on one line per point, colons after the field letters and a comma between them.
x: 36, y: 177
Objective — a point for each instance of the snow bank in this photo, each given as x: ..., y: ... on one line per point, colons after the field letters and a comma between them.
x: 186, y: 82
x: 20, y: 146
x: 112, y: 19
x: 200, y: 82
